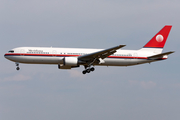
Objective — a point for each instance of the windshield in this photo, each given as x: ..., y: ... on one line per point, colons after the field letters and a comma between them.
x: 11, y: 51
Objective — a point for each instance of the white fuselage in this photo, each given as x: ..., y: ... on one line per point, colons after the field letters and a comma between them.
x: 49, y: 55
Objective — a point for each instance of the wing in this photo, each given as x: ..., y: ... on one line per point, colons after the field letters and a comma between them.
x: 97, y: 56
x: 160, y: 55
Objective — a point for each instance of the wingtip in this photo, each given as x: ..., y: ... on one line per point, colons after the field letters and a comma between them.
x: 122, y: 45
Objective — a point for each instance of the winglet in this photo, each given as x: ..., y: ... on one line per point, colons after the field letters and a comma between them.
x: 159, y: 40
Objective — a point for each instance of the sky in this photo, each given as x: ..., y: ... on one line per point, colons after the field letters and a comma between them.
x: 43, y: 92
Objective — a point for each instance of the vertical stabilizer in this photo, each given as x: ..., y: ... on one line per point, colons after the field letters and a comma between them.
x: 159, y: 40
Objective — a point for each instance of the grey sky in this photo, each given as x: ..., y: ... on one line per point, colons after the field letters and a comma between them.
x: 44, y: 92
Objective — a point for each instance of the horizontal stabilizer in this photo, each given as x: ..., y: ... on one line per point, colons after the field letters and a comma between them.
x: 160, y: 55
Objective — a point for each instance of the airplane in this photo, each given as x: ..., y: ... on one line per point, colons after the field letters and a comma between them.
x: 67, y: 58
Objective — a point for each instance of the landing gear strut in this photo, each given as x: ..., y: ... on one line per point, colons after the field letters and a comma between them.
x: 17, y: 68
x: 88, y: 70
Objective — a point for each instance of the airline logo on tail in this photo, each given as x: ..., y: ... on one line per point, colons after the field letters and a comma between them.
x: 159, y: 40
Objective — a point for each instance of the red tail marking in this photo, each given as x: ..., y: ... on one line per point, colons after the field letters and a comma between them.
x: 159, y: 40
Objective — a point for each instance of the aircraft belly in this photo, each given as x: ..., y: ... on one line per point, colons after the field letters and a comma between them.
x: 37, y: 59
x: 123, y: 62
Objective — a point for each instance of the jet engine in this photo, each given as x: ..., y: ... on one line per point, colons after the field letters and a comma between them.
x: 69, y: 62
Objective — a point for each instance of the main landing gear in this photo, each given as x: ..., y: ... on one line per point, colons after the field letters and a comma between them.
x: 88, y: 67
x: 17, y: 68
x: 88, y: 70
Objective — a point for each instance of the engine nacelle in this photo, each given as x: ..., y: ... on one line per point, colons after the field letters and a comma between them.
x: 70, y: 61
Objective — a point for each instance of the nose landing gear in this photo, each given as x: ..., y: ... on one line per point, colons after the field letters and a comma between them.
x: 17, y: 68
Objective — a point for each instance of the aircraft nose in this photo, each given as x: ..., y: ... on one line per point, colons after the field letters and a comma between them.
x: 5, y: 55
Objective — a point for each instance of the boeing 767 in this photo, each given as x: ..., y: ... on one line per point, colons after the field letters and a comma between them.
x: 67, y: 58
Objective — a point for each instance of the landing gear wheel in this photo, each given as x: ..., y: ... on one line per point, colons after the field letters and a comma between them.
x: 88, y: 70
x: 84, y: 72
x: 17, y: 64
x: 92, y: 69
x: 17, y: 68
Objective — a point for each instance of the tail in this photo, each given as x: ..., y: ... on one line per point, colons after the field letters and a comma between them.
x: 158, y: 41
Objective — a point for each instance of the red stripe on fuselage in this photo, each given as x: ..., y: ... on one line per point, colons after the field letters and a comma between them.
x: 65, y: 55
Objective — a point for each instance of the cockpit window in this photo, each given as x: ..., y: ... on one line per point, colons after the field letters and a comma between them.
x: 11, y: 51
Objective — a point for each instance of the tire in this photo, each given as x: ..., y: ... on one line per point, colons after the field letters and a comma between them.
x: 17, y: 68
x: 88, y: 70
x: 92, y: 69
x: 84, y: 72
